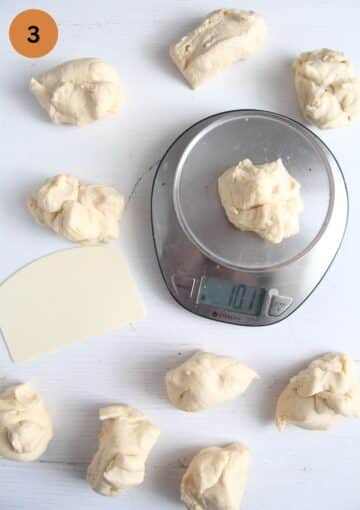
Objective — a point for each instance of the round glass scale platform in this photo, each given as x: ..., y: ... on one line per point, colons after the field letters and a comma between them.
x: 217, y: 271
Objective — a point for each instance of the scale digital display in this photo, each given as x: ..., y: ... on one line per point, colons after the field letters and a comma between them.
x: 231, y: 296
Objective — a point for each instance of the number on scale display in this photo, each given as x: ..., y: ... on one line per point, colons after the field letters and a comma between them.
x: 231, y: 296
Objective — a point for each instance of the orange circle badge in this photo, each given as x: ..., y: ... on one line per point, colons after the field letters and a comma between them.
x: 33, y: 33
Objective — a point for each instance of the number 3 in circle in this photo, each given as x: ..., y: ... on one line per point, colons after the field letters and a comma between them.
x: 34, y: 34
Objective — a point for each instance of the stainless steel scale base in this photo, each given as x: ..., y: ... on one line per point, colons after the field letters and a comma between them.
x: 213, y: 269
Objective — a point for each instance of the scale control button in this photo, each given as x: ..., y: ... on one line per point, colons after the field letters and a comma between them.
x: 279, y: 304
x: 183, y: 282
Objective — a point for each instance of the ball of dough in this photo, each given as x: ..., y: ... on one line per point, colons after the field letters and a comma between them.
x: 264, y: 199
x: 205, y: 380
x: 322, y: 394
x: 223, y: 38
x: 327, y: 87
x: 86, y: 214
x: 216, y: 478
x: 125, y: 441
x: 79, y: 91
x: 25, y: 425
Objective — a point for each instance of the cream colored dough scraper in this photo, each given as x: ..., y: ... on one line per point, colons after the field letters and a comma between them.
x: 66, y: 297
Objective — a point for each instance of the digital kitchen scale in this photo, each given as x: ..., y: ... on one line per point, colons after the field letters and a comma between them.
x: 216, y: 271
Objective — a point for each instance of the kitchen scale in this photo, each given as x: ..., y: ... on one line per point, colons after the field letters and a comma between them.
x: 216, y: 271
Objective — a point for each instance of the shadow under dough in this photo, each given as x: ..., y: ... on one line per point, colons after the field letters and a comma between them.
x: 29, y: 103
x: 273, y: 386
x: 171, y: 34
x: 155, y: 368
x: 166, y: 477
x: 278, y: 77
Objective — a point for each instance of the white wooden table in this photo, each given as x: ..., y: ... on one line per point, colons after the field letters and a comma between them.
x: 297, y: 470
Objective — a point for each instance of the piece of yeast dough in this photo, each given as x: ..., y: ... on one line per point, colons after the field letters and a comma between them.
x: 66, y: 297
